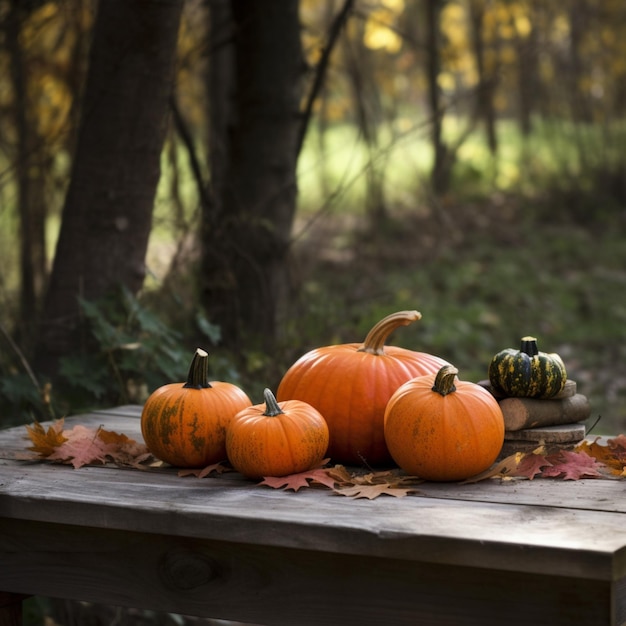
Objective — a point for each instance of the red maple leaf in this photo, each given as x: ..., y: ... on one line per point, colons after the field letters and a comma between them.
x: 299, y: 480
x: 617, y: 445
x: 531, y: 465
x: 82, y: 446
x: 572, y: 466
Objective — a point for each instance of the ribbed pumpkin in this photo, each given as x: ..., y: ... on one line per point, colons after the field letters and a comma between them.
x: 184, y: 424
x: 275, y: 439
x: 442, y: 429
x: 527, y: 372
x: 350, y: 385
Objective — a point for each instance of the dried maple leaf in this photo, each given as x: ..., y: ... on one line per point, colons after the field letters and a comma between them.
x: 299, y: 480
x: 83, y: 446
x: 373, y: 484
x: 531, y: 465
x: 570, y: 465
x: 598, y: 451
x: 45, y: 441
x: 345, y: 483
x: 503, y: 469
x: 214, y: 468
x: 340, y: 474
x: 317, y: 475
x: 618, y: 445
x: 371, y: 491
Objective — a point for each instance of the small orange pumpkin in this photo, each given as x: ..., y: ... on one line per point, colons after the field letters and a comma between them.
x: 350, y: 385
x: 440, y: 428
x: 276, y: 439
x: 184, y: 424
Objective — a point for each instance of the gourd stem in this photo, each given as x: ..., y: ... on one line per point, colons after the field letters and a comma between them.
x: 529, y: 346
x: 375, y: 341
x: 198, y: 377
x: 271, y: 405
x: 444, y: 381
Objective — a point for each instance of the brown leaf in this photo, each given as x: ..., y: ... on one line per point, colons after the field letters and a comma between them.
x: 531, y: 465
x: 214, y: 468
x: 572, y: 466
x: 612, y: 455
x: 340, y: 474
x: 502, y: 469
x: 373, y: 484
x: 45, y: 441
x: 371, y: 491
x: 83, y: 446
x: 299, y: 480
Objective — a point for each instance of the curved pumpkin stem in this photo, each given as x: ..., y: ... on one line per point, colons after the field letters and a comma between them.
x: 444, y: 381
x: 198, y: 377
x: 529, y: 346
x: 271, y: 405
x: 375, y: 341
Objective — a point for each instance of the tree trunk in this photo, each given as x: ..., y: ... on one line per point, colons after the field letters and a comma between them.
x: 366, y: 98
x: 442, y: 166
x: 485, y: 109
x: 247, y: 235
x: 580, y: 103
x: 108, y: 208
x: 30, y: 180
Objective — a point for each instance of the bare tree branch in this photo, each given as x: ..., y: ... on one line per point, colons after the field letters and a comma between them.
x: 322, y: 66
x: 185, y: 135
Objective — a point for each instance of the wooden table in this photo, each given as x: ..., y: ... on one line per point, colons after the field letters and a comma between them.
x: 524, y: 552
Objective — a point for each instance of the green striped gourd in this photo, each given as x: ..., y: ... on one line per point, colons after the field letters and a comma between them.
x: 527, y: 372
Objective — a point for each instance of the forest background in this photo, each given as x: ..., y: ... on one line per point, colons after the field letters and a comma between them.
x: 263, y: 178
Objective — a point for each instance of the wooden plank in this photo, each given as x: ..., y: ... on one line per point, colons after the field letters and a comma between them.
x: 439, y: 530
x: 598, y: 495
x: 529, y: 524
x: 284, y: 586
x: 127, y: 410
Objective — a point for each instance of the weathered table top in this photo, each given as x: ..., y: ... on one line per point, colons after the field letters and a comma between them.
x: 93, y: 532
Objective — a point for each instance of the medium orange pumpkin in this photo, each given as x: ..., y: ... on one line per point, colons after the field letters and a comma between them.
x: 184, y: 424
x: 276, y: 439
x: 440, y: 428
x: 350, y: 384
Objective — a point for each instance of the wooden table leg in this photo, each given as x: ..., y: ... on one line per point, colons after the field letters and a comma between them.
x: 11, y: 608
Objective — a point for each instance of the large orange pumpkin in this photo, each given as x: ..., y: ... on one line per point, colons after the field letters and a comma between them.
x: 276, y: 439
x: 350, y: 384
x: 440, y: 428
x: 184, y: 424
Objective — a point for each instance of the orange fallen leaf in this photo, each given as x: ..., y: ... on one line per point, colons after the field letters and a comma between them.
x: 203, y: 472
x: 373, y: 491
x: 82, y: 445
x: 317, y: 475
x: 46, y: 441
x: 503, y: 469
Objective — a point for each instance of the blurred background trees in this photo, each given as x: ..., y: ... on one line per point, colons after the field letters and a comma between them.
x: 324, y: 163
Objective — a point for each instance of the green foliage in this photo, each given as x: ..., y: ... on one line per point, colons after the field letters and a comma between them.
x: 132, y: 351
x: 135, y: 352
